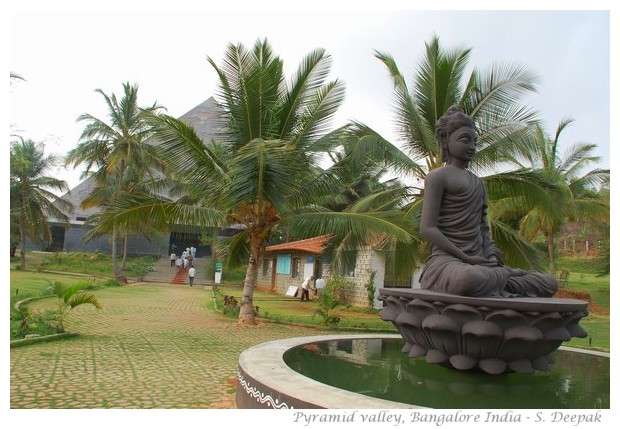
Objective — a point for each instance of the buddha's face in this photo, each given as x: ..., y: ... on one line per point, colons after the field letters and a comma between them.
x: 462, y: 144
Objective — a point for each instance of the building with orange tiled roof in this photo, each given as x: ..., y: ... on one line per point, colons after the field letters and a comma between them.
x: 286, y: 265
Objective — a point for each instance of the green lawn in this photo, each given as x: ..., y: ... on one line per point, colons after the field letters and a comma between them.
x: 26, y: 284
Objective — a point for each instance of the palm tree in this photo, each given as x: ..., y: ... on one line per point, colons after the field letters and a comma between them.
x: 572, y: 200
x: 116, y: 148
x: 263, y: 172
x: 70, y: 297
x: 492, y: 98
x: 32, y: 202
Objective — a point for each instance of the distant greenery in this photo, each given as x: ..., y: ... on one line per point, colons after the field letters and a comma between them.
x: 233, y: 275
x: 89, y: 263
x: 579, y: 265
x: 584, y: 276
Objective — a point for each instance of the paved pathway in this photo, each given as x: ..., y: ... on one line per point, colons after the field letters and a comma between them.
x: 151, y: 346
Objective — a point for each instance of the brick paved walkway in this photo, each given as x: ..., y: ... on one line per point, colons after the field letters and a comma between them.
x: 151, y: 346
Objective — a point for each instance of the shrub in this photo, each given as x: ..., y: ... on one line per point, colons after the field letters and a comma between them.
x: 23, y: 322
x: 334, y: 294
x: 370, y: 289
x: 339, y: 288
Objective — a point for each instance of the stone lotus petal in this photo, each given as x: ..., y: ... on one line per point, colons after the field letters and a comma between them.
x: 436, y: 356
x: 481, y: 339
x: 558, y: 333
x: 519, y: 343
x: 463, y: 362
x: 493, y: 366
x: 548, y: 321
x: 392, y: 307
x: 506, y: 318
x: 443, y: 332
x: 540, y: 363
x: 417, y: 351
x: 422, y: 309
x: 521, y: 366
x: 461, y: 313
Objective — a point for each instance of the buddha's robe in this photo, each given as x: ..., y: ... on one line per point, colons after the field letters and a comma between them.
x: 462, y: 219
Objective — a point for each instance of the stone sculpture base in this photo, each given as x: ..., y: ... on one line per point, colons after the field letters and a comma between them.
x: 495, y: 335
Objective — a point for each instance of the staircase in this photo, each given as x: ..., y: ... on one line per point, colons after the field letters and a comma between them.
x: 164, y: 273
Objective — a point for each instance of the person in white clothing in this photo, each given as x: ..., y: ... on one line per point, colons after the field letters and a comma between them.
x: 191, y: 273
x: 305, y: 287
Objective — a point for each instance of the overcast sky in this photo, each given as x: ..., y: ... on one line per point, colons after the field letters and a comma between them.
x: 65, y: 54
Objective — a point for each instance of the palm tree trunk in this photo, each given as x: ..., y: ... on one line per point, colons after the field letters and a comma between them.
x: 114, y: 261
x: 123, y: 264
x: 22, y: 243
x: 214, y: 251
x: 551, y: 251
x: 121, y: 173
x: 246, y: 313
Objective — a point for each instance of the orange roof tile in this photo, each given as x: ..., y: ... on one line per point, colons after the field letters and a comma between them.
x: 311, y: 245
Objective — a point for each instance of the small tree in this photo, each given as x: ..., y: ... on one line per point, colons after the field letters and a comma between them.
x: 338, y: 287
x: 70, y: 297
x: 370, y: 289
x: 327, y: 304
x: 333, y: 295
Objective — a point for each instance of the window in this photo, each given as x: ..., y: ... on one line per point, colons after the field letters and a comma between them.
x: 347, y: 267
x: 266, y: 267
x: 283, y: 264
x: 397, y: 281
x: 296, y: 268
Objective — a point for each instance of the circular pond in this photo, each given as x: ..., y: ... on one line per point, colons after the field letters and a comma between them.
x: 370, y: 371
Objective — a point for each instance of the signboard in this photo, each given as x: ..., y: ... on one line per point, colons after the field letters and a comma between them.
x: 291, y: 291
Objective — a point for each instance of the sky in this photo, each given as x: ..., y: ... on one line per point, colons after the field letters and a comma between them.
x: 66, y: 49
x: 65, y: 53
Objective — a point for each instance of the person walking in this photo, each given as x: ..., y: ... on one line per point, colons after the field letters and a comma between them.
x: 179, y: 264
x: 191, y: 273
x: 173, y: 259
x: 305, y: 287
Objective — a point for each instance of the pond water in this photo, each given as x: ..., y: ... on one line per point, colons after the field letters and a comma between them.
x: 378, y: 368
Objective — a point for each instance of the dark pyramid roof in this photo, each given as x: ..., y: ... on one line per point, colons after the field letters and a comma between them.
x: 203, y: 118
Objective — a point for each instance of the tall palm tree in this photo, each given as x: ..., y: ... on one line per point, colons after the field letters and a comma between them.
x: 263, y: 171
x: 492, y: 97
x: 116, y: 147
x: 572, y: 200
x: 32, y: 199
